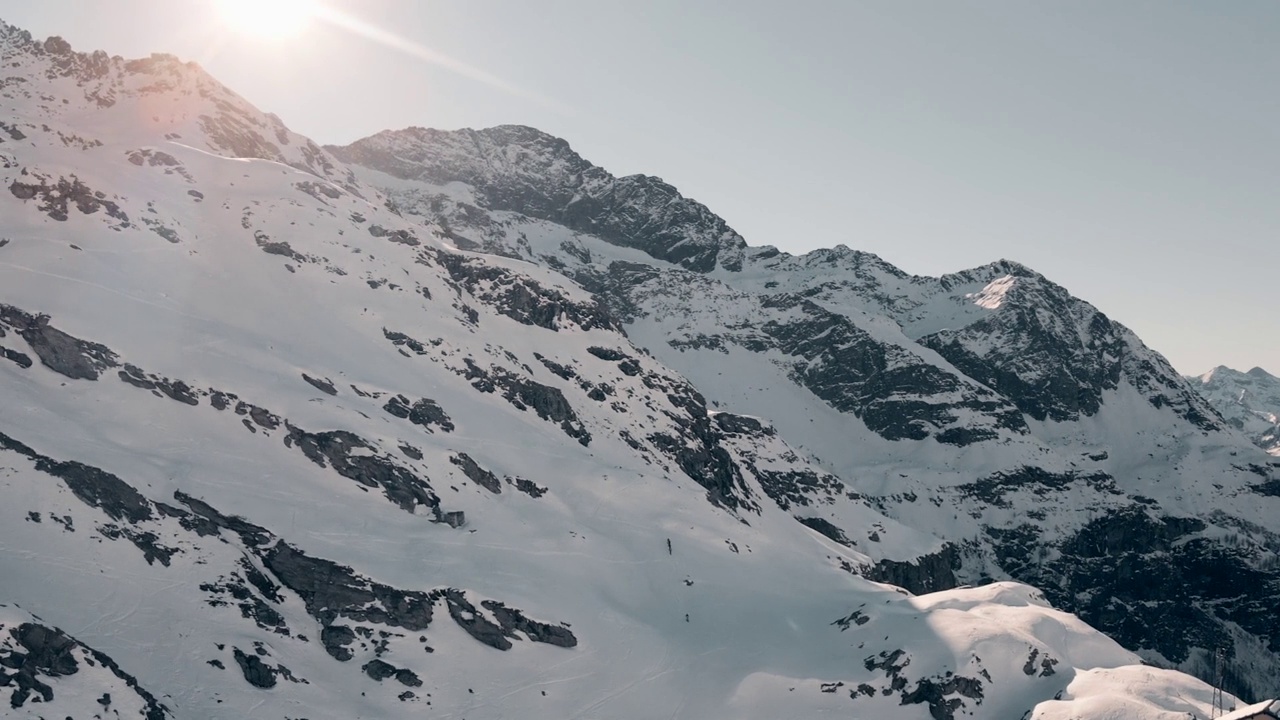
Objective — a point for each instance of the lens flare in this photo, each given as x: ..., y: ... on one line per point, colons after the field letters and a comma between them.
x: 267, y: 19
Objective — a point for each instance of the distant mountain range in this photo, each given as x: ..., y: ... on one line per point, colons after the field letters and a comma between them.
x: 1250, y: 402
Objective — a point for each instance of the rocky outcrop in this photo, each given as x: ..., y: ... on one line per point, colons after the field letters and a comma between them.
x: 926, y: 574
x: 1158, y: 585
x: 549, y: 403
x: 66, y: 355
x: 524, y: 170
x: 354, y: 458
x: 1055, y: 356
x: 45, y: 670
x: 424, y: 412
x: 477, y: 474
x: 523, y: 299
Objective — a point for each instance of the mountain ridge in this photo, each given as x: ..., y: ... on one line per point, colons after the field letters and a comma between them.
x: 1250, y: 401
x: 993, y: 356
x: 328, y: 455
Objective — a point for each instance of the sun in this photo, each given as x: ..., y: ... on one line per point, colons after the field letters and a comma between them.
x: 267, y: 19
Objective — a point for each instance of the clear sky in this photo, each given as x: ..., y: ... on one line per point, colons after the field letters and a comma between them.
x: 1129, y: 151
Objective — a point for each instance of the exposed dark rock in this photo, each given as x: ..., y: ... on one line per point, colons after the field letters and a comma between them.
x: 408, y: 677
x: 404, y: 237
x: 205, y: 521
x: 609, y: 354
x: 335, y: 639
x: 425, y: 412
x: 992, y: 490
x: 75, y: 358
x: 857, y: 617
x: 697, y: 450
x: 324, y: 385
x: 319, y: 190
x: 261, y: 417
x: 886, y: 661
x: 153, y: 158
x: 402, y: 340
x: 1058, y: 356
x: 794, y: 487
x: 239, y: 586
x: 347, y: 454
x: 554, y: 183
x: 1270, y: 488
x: 528, y: 487
x: 477, y: 626
x: 521, y: 298
x: 12, y: 131
x: 20, y: 359
x: 331, y: 591
x: 56, y: 198
x: 46, y: 652
x: 935, y: 692
x: 928, y: 573
x: 742, y: 425
x: 512, y: 619
x: 548, y: 402
x: 892, y: 391
x: 563, y: 371
x: 824, y: 527
x: 378, y: 670
x: 173, y: 389
x: 477, y: 474
x: 272, y: 247
x: 220, y: 400
x: 49, y: 653
x: 256, y: 672
x: 94, y: 487
x: 1046, y: 664
x: 147, y: 542
x: 1150, y: 582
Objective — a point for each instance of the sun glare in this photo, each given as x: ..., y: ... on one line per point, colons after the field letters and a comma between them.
x: 267, y: 19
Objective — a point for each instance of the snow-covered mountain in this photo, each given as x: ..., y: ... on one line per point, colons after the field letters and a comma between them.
x: 1012, y: 420
x: 1250, y: 401
x: 277, y: 443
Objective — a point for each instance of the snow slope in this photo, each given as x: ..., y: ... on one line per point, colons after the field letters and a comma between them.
x: 989, y: 407
x: 277, y: 451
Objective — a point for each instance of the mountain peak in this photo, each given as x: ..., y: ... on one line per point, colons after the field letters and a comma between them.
x: 1223, y: 373
x: 516, y: 168
x: 7, y: 31
x: 498, y: 135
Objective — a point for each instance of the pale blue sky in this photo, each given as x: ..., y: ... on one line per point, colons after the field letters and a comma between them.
x: 1128, y: 150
